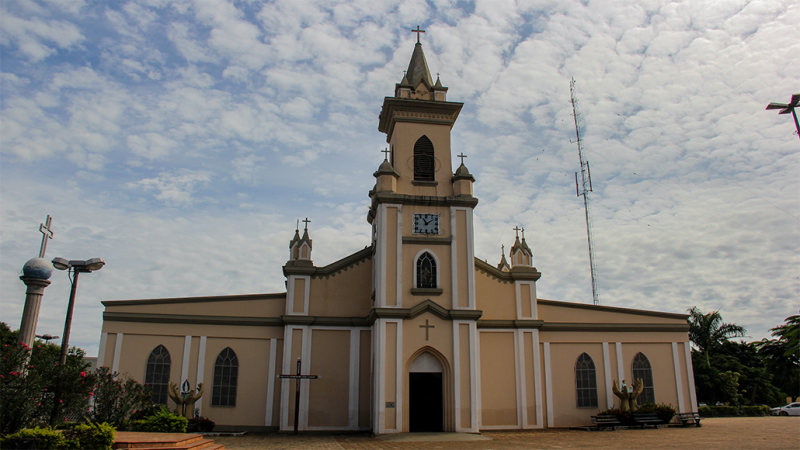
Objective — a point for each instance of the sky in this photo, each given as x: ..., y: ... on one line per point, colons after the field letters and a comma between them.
x: 180, y: 141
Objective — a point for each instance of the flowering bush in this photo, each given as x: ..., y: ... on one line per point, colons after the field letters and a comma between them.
x: 663, y: 411
x: 117, y: 398
x: 624, y: 417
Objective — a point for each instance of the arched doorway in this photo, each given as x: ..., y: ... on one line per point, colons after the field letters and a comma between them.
x: 426, y: 394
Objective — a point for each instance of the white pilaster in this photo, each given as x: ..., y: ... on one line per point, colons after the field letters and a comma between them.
x: 548, y: 386
x: 676, y: 362
x: 201, y: 367
x: 101, y: 353
x: 187, y: 351
x: 607, y: 371
x: 273, y: 356
x: 537, y: 379
x: 620, y: 370
x: 687, y: 350
x: 117, y: 352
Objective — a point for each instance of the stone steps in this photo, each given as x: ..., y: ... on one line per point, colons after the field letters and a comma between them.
x: 163, y: 441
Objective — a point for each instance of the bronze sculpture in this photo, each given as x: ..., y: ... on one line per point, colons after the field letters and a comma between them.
x: 628, y: 394
x: 186, y: 399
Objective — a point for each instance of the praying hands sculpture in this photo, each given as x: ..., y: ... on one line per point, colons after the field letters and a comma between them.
x: 628, y: 394
x: 186, y: 399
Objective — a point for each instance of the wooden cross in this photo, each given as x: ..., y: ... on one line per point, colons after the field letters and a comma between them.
x: 306, y: 221
x: 386, y: 156
x: 517, y: 228
x: 427, y: 328
x: 299, y: 378
x: 418, y: 31
x: 44, y: 228
x: 462, y: 156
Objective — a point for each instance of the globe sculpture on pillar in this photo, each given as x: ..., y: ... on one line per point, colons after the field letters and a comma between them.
x: 186, y: 399
x: 36, y: 275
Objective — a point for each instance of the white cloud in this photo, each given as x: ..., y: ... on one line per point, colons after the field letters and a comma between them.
x: 174, y: 188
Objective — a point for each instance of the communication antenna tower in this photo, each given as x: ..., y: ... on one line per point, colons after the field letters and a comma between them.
x: 584, y: 189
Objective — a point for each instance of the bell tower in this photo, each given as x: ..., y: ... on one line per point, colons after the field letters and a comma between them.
x: 423, y: 265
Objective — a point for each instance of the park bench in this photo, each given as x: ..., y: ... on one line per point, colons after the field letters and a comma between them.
x: 689, y: 418
x: 606, y: 421
x: 645, y: 419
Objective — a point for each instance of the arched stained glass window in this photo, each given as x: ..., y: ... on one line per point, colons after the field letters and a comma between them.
x: 226, y: 375
x: 586, y: 382
x: 157, y: 374
x: 643, y: 371
x: 424, y: 161
x: 426, y: 271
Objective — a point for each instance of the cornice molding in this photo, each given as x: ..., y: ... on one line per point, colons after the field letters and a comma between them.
x: 426, y: 306
x: 428, y: 240
x: 614, y: 309
x: 413, y: 110
x: 222, y: 298
x: 337, y: 267
x: 520, y: 273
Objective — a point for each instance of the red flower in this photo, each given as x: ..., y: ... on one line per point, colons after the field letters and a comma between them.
x: 83, y: 374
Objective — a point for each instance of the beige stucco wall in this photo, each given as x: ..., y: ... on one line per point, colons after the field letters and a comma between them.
x: 496, y: 298
x: 342, y: 294
x: 498, y: 379
x: 329, y: 396
x: 564, y: 313
x: 405, y: 136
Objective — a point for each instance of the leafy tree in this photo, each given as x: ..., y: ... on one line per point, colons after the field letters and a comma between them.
x: 782, y: 355
x: 707, y: 331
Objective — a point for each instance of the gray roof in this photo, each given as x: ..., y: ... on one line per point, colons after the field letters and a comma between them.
x: 418, y: 68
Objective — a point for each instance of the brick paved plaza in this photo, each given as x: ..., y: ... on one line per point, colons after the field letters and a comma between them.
x: 718, y: 433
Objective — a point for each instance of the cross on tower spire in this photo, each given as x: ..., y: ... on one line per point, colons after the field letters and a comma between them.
x: 517, y: 228
x: 418, y: 31
x: 462, y: 156
x: 306, y: 221
x: 386, y: 152
x: 44, y: 228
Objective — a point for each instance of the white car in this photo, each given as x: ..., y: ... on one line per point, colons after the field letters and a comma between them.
x: 792, y: 409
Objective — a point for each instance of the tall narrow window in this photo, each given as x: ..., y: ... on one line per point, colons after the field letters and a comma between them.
x: 226, y: 374
x: 643, y: 371
x: 157, y: 374
x: 586, y: 382
x: 424, y: 162
x: 426, y: 271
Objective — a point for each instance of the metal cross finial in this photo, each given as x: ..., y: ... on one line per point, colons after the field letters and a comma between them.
x: 306, y: 221
x: 44, y: 228
x: 517, y: 228
x: 418, y: 31
x: 386, y: 154
x: 462, y: 156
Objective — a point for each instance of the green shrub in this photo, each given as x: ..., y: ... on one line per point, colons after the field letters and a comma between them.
x: 719, y: 411
x: 48, y: 438
x: 163, y: 421
x: 663, y: 411
x: 96, y: 436
x: 624, y: 417
x: 707, y: 411
x: 755, y: 411
x: 117, y: 398
x: 201, y: 424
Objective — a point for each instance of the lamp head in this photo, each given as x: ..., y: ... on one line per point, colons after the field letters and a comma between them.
x: 61, y: 263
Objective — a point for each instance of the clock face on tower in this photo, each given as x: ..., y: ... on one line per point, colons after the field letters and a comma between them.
x: 426, y: 223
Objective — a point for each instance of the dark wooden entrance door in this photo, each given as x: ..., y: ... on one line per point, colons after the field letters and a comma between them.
x: 426, y: 412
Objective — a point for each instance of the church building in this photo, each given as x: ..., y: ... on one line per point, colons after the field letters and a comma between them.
x: 412, y: 333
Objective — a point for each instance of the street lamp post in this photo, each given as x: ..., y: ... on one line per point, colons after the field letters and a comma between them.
x: 75, y: 267
x: 787, y: 108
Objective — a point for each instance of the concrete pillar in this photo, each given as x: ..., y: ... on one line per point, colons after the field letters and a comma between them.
x: 30, y: 314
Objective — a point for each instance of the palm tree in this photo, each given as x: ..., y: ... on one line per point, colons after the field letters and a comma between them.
x: 708, y: 331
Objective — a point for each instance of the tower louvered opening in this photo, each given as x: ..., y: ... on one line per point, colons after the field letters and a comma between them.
x: 424, y: 162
